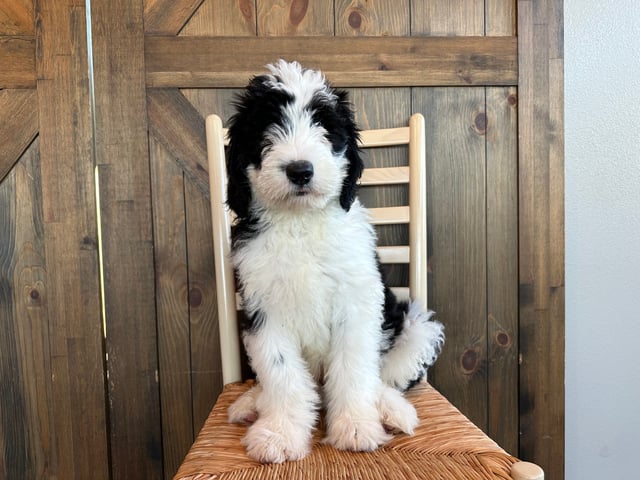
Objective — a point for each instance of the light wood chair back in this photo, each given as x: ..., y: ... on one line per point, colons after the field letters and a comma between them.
x: 414, y: 214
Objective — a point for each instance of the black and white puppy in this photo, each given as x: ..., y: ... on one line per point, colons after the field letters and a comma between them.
x: 323, y: 329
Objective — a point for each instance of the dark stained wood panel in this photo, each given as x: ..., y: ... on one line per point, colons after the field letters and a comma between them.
x: 26, y: 435
x: 294, y: 17
x: 167, y: 17
x: 456, y: 169
x: 448, y: 17
x: 354, y: 61
x: 206, y: 367
x: 502, y: 265
x: 77, y: 404
x: 18, y: 54
x: 174, y: 355
x: 239, y: 18
x: 18, y: 125
x: 362, y: 18
x: 541, y: 234
x: 180, y: 128
x: 122, y: 158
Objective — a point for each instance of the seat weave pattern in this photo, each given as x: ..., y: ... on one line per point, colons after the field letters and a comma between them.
x: 446, y: 446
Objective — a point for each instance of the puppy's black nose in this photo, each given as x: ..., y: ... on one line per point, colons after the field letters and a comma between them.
x: 300, y: 172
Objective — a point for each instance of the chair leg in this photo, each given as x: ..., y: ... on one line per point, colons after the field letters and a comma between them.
x: 526, y: 471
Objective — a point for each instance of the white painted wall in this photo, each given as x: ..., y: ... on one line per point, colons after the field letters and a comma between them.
x: 602, y: 175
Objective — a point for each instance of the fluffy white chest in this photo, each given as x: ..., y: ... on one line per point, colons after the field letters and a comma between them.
x: 298, y: 269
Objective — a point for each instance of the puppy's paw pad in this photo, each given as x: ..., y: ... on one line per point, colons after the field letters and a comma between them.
x: 244, y: 410
x: 267, y: 445
x: 358, y: 435
x: 396, y: 413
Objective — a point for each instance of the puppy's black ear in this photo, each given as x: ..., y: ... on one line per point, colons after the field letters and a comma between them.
x: 257, y: 107
x: 238, y: 186
x: 352, y: 153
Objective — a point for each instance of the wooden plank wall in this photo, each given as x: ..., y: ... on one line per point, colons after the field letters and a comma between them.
x: 115, y: 382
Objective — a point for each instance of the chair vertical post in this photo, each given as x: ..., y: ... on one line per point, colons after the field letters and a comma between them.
x: 418, y: 216
x: 227, y: 314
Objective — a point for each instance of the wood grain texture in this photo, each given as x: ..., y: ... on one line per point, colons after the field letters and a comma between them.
x: 447, y: 17
x: 502, y: 265
x: 457, y: 234
x: 18, y: 125
x: 167, y: 17
x: 16, y: 17
x: 122, y: 156
x: 366, y: 18
x: 18, y: 54
x: 77, y: 403
x: 541, y: 237
x: 206, y: 368
x: 353, y: 61
x: 238, y: 18
x: 178, y: 126
x: 26, y: 436
x: 172, y: 285
x: 294, y: 17
x: 500, y: 17
x: 456, y: 172
x: 381, y: 108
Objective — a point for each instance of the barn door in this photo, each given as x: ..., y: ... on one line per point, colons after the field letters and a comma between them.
x: 52, y: 377
x: 108, y: 331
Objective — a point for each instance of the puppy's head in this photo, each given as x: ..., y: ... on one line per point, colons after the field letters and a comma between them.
x: 292, y: 143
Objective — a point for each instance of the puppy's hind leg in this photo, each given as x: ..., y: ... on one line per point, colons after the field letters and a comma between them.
x: 244, y: 409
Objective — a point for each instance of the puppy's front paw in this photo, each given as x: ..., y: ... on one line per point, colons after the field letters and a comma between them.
x: 244, y: 410
x: 356, y: 434
x: 396, y: 413
x: 275, y: 442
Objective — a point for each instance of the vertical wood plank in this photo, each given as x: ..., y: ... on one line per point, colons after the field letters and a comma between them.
x: 223, y: 17
x: 541, y: 237
x: 206, y: 368
x: 447, y: 17
x: 294, y: 17
x: 456, y: 213
x: 502, y: 266
x: 380, y: 108
x: 25, y: 369
x: 70, y: 241
x: 174, y: 356
x: 456, y: 170
x: 122, y: 156
x: 500, y: 17
x: 382, y: 18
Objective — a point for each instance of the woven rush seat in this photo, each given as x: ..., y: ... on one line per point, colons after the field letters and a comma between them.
x: 445, y: 446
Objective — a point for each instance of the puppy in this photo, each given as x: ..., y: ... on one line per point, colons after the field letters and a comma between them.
x: 322, y: 329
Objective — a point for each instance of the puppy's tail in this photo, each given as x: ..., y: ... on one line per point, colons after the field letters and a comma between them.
x: 415, y: 341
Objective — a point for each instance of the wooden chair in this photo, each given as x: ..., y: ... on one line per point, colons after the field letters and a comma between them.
x: 446, y: 445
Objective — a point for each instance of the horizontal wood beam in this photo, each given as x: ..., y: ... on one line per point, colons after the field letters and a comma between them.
x: 228, y: 62
x: 17, y: 61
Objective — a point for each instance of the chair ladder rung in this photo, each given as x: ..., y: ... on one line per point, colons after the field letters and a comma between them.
x: 384, y: 137
x: 389, y: 215
x: 394, y: 254
x: 384, y: 176
x: 401, y: 293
